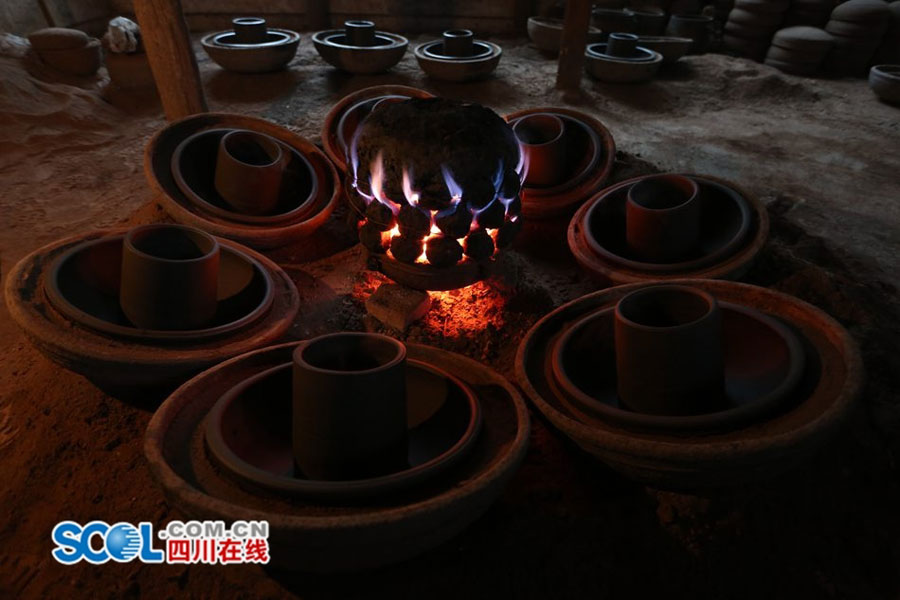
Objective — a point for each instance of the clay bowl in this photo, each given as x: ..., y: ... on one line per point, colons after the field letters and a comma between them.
x: 596, y: 235
x: 81, y: 62
x: 335, y: 49
x: 588, y: 140
x: 613, y: 69
x: 649, y: 21
x: 64, y: 296
x: 829, y: 387
x: 436, y: 65
x: 248, y: 433
x: 671, y: 48
x: 546, y: 33
x: 193, y: 166
x: 764, y: 362
x: 322, y: 537
x: 271, y: 55
x: 885, y: 82
x: 344, y: 118
x: 158, y: 170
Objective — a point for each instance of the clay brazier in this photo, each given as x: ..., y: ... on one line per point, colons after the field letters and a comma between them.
x: 669, y: 358
x: 169, y: 277
x: 349, y: 396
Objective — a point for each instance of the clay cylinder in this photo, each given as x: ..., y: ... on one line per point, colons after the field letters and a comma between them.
x: 359, y: 33
x: 695, y: 27
x: 621, y: 44
x: 249, y: 170
x: 170, y: 277
x: 459, y: 42
x: 541, y: 141
x: 349, y: 418
x: 662, y: 218
x: 669, y: 358
x: 250, y: 30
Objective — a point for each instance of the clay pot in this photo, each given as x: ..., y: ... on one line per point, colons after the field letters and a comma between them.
x: 541, y: 140
x: 350, y: 406
x: 671, y: 48
x: 695, y: 27
x: 83, y: 61
x: 249, y: 170
x: 641, y: 65
x: 250, y: 30
x: 169, y: 277
x: 546, y: 34
x: 459, y: 42
x: 129, y: 71
x: 885, y: 82
x: 669, y: 358
x: 649, y: 21
x: 359, y: 48
x: 458, y: 56
x: 611, y: 20
x: 269, y: 49
x: 662, y: 218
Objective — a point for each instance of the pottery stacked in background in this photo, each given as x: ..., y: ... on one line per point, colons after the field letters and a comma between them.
x: 68, y: 51
x: 889, y: 52
x: 858, y: 27
x: 799, y: 50
x: 814, y: 13
x: 751, y: 25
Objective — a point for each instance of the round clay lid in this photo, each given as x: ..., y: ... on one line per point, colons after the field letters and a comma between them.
x: 861, y: 11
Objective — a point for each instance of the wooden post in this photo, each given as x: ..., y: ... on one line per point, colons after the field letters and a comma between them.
x: 171, y: 56
x: 573, y: 43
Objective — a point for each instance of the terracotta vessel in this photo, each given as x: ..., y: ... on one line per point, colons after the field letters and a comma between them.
x: 458, y: 56
x: 662, y: 218
x: 359, y: 48
x: 669, y: 357
x: 541, y: 138
x: 169, y: 277
x: 614, y: 20
x: 250, y: 30
x: 249, y: 171
x: 350, y: 406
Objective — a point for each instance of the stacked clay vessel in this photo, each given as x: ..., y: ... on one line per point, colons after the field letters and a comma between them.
x: 751, y: 25
x: 858, y: 27
x: 799, y: 50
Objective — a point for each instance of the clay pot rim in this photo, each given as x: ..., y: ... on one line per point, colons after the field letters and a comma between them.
x: 733, y: 418
x: 128, y: 240
x: 423, y: 54
x: 748, y: 206
x: 692, y: 18
x: 711, y: 305
x: 537, y: 203
x: 670, y: 454
x: 350, y: 102
x: 695, y: 194
x: 271, y: 236
x: 234, y: 215
x: 170, y: 480
x: 890, y: 72
x: 345, y: 489
x: 647, y: 56
x: 562, y: 129
x: 103, y: 328
x: 286, y: 38
x: 556, y: 24
x: 268, y: 140
x: 397, y: 345
x: 662, y: 39
x: 326, y: 36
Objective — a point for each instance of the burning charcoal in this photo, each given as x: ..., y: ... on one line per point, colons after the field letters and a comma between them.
x: 511, y: 184
x: 406, y: 249
x: 435, y: 197
x: 514, y: 208
x: 492, y: 216
x: 479, y: 192
x: 379, y: 216
x: 508, y: 232
x: 370, y: 237
x: 413, y: 222
x: 443, y: 251
x: 479, y: 245
x: 456, y: 223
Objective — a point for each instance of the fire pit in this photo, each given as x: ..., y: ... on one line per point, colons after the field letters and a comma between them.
x: 435, y: 186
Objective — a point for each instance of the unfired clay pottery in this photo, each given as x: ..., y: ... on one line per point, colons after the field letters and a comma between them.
x: 298, y: 221
x: 170, y: 277
x: 81, y: 327
x: 458, y: 56
x: 546, y: 33
x: 251, y: 48
x: 885, y: 82
x: 614, y: 20
x: 695, y: 27
x: 359, y: 48
x: 541, y: 138
x: 329, y: 537
x: 799, y: 50
x: 249, y: 171
x: 733, y: 229
x: 621, y: 60
x: 662, y: 218
x: 590, y: 144
x: 671, y: 48
x: 857, y: 27
x: 826, y: 392
x: 248, y: 433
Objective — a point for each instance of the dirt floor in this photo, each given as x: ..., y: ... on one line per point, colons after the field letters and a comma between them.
x: 821, y: 154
